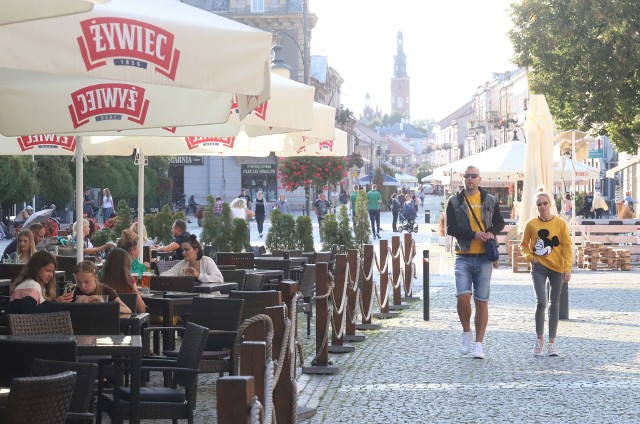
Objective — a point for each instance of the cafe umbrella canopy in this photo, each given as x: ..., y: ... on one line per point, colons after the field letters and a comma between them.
x: 26, y: 10
x: 120, y: 65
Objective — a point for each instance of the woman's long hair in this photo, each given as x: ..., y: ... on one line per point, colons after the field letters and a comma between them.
x: 32, y: 244
x: 88, y: 267
x: 116, y: 272
x: 30, y: 271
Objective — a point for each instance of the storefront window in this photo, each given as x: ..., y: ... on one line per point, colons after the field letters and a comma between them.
x: 261, y: 176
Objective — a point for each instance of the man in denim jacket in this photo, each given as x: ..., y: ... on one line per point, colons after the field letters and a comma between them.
x: 472, y: 268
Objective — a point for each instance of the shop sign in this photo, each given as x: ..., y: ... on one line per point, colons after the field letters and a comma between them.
x: 186, y: 160
x: 259, y: 169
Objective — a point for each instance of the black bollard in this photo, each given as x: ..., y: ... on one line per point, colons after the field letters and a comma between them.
x: 427, y: 216
x: 425, y: 285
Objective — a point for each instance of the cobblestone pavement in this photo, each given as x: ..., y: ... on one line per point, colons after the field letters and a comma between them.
x: 410, y: 371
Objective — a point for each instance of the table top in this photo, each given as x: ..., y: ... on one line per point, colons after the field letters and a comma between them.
x: 214, y: 287
x: 280, y: 258
x: 87, y: 341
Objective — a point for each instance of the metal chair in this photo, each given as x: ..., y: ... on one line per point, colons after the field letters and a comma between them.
x: 308, y: 288
x: 17, y: 354
x: 242, y: 260
x: 168, y: 402
x: 40, y: 400
x: 181, y: 283
x: 51, y: 324
x: 82, y: 404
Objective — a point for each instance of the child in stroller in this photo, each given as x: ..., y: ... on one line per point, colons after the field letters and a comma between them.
x: 409, y: 214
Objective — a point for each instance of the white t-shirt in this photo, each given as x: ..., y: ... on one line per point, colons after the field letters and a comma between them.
x: 238, y: 213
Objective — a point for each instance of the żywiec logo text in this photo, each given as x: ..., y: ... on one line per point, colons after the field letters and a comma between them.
x: 46, y: 141
x: 129, y: 43
x: 193, y: 142
x: 108, y: 102
x: 327, y: 144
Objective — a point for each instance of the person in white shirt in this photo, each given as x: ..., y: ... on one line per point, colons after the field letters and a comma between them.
x: 203, y: 268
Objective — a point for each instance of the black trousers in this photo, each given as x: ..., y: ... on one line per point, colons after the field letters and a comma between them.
x: 395, y: 220
x: 374, y: 217
x: 260, y: 222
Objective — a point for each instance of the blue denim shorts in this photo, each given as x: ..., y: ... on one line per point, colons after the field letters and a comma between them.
x: 473, y: 275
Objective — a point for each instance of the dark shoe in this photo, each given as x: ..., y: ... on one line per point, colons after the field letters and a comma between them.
x: 260, y: 235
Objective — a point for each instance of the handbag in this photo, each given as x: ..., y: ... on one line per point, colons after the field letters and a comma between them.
x: 491, y: 245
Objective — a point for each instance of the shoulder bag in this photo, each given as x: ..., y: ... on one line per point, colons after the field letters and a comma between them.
x: 491, y: 245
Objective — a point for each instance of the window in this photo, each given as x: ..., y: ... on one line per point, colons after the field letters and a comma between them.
x: 257, y: 6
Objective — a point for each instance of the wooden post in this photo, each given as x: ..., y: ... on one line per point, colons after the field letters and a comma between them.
x: 321, y: 364
x: 408, y: 274
x: 253, y: 359
x: 396, y: 263
x: 234, y: 396
x: 340, y: 298
x: 289, y: 289
x: 285, y: 390
x: 384, y: 279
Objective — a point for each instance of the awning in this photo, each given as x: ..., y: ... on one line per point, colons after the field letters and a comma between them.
x: 632, y: 161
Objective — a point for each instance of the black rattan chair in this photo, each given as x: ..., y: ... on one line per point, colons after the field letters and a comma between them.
x: 40, y: 400
x: 235, y: 276
x: 255, y: 302
x: 178, y: 283
x: 10, y: 271
x: 308, y: 288
x: 281, y: 264
x: 242, y: 260
x: 82, y: 404
x: 164, y: 266
x: 51, y: 324
x: 91, y: 318
x: 254, y: 282
x: 17, y: 354
x: 163, y: 402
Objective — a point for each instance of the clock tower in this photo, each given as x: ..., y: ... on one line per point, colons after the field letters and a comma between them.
x: 400, y: 88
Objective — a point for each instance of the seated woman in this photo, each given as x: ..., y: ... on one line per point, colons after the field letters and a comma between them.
x: 35, y: 286
x: 129, y: 242
x: 88, y: 230
x: 88, y: 285
x: 145, y: 239
x: 203, y: 268
x: 116, y: 273
x: 25, y: 249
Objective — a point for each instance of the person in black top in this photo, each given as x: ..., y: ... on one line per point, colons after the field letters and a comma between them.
x: 246, y: 197
x: 180, y: 234
x: 260, y: 208
x: 588, y: 204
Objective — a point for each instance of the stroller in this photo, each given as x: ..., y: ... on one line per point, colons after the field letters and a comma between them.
x: 409, y: 222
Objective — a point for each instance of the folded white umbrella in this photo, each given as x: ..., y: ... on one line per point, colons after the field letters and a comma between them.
x: 296, y: 145
x: 12, y: 11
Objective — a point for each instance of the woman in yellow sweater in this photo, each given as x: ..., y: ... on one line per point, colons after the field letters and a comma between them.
x: 546, y: 243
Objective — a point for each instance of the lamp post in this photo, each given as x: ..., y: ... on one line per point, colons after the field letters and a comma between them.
x: 304, y: 52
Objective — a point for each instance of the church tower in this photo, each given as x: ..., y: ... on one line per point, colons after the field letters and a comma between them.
x: 400, y: 89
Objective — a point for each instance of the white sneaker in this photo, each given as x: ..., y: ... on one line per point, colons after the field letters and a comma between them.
x: 465, y: 343
x: 552, y: 350
x: 477, y: 350
x: 538, y: 348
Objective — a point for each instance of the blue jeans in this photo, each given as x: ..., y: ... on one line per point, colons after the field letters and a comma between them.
x: 473, y: 275
x: 539, y: 275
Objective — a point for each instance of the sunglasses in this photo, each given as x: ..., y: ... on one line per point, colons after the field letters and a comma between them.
x: 470, y: 175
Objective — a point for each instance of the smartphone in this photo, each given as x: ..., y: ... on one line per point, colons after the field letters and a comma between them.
x: 70, y: 287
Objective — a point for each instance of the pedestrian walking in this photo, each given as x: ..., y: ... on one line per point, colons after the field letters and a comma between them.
x: 107, y: 205
x: 334, y: 198
x: 282, y: 205
x: 353, y: 198
x: 395, y: 210
x: 321, y: 207
x: 374, y: 198
x: 588, y: 205
x: 246, y: 197
x: 546, y: 243
x: 261, y: 209
x: 567, y: 206
x: 465, y: 211
x: 599, y: 205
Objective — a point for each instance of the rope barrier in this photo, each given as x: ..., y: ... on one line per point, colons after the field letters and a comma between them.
x: 255, y: 411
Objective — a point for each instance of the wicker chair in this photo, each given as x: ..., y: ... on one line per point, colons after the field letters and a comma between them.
x: 222, y: 318
x: 10, y: 271
x: 256, y: 301
x: 322, y: 257
x: 20, y: 353
x: 164, y: 266
x: 282, y: 264
x: 52, y: 324
x: 129, y: 299
x: 91, y: 318
x: 82, y: 404
x: 181, y: 283
x: 40, y: 400
x: 68, y: 265
x: 308, y: 289
x: 163, y: 402
x: 235, y: 276
x: 254, y: 282
x: 242, y: 260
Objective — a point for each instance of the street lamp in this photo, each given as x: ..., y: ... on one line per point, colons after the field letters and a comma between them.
x: 304, y: 54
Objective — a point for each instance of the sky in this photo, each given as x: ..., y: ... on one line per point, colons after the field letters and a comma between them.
x: 452, y: 47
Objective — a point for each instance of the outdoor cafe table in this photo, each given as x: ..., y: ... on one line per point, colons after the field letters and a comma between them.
x: 132, y: 324
x: 295, y: 260
x: 167, y: 305
x: 119, y: 346
x: 206, y: 288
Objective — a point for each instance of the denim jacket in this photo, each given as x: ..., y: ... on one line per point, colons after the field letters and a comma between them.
x: 458, y: 224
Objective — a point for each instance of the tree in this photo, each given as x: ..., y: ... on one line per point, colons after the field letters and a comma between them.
x: 17, y: 180
x: 583, y: 56
x: 282, y: 234
x: 329, y: 231
x: 55, y: 179
x: 240, y: 241
x: 425, y: 125
x: 388, y: 120
x: 308, y: 171
x: 304, y: 233
x: 345, y: 236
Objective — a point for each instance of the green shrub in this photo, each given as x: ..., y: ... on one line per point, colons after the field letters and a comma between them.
x: 273, y: 242
x: 122, y: 221
x: 328, y: 231
x: 223, y: 241
x: 345, y: 237
x: 159, y: 224
x: 304, y: 234
x: 101, y: 237
x: 211, y: 224
x: 240, y: 240
x: 361, y: 225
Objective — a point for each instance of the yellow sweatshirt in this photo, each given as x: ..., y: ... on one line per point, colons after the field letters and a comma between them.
x: 549, y: 242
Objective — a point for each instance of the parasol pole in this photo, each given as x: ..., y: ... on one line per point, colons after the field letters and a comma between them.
x: 79, y: 201
x: 140, y: 161
x: 573, y: 194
